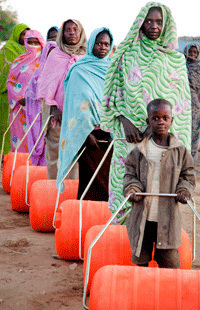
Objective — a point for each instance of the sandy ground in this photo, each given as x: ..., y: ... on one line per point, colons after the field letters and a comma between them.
x: 31, y: 278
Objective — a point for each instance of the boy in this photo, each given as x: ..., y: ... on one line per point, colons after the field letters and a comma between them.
x: 159, y: 164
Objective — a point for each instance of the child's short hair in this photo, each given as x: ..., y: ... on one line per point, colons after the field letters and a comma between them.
x: 156, y: 103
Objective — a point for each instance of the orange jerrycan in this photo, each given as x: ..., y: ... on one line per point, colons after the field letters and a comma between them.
x: 43, y: 197
x: 21, y: 160
x: 113, y: 248
x: 144, y: 288
x: 67, y: 225
x: 18, y: 187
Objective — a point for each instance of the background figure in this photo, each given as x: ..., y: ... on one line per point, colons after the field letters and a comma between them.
x: 13, y: 48
x: 192, y: 55
x: 145, y: 66
x: 33, y: 107
x: 84, y: 86
x: 52, y: 33
x: 72, y: 45
x: 19, y: 77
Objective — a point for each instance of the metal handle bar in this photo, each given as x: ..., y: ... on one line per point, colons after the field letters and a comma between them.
x: 59, y: 185
x: 87, y: 188
x: 106, y: 226
x: 14, y: 161
x: 5, y: 133
x: 27, y: 163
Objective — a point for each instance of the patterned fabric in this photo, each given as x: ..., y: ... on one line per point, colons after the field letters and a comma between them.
x: 33, y: 107
x: 142, y: 70
x: 84, y: 85
x: 19, y: 77
x: 8, y: 53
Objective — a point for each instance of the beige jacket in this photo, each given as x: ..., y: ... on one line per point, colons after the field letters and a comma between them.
x: 177, y: 173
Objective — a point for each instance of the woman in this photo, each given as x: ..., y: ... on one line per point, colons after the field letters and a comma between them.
x: 52, y: 33
x: 84, y: 87
x: 13, y: 48
x: 192, y: 55
x: 145, y: 66
x: 19, y: 77
x: 33, y: 107
x: 72, y: 45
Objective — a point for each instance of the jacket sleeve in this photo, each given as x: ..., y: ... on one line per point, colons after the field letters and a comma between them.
x: 131, y: 176
x: 187, y: 174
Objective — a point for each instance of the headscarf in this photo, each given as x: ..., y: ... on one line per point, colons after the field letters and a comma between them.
x: 194, y: 76
x: 51, y: 87
x: 22, y: 69
x: 54, y: 28
x: 77, y: 49
x: 84, y: 85
x: 33, y: 107
x: 142, y: 70
x: 11, y: 50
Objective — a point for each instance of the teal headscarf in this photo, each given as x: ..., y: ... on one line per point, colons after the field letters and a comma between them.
x: 84, y: 87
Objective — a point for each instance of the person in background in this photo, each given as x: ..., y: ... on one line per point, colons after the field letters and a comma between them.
x: 192, y: 55
x: 33, y: 107
x: 19, y: 76
x: 72, y: 45
x: 52, y: 33
x: 145, y: 66
x: 84, y: 86
x: 13, y: 48
x: 159, y: 164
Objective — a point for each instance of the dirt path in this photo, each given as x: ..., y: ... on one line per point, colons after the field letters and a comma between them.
x: 31, y: 279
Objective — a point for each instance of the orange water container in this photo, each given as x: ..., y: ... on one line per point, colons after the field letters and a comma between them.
x: 18, y: 187
x: 43, y: 201
x: 113, y: 248
x: 67, y: 225
x: 21, y: 160
x: 130, y: 288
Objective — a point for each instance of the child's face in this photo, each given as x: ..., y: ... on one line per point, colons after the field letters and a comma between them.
x: 160, y: 119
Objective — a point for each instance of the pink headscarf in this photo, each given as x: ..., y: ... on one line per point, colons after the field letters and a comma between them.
x: 23, y: 68
x: 51, y: 87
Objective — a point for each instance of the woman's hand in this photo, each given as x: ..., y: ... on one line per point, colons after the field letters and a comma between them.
x: 133, y: 197
x: 132, y: 133
x: 92, y: 140
x: 182, y: 195
x: 57, y: 114
x: 22, y: 102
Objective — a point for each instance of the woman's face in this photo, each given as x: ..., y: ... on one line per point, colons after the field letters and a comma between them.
x: 193, y: 53
x: 22, y: 35
x: 102, y: 46
x: 52, y: 35
x: 33, y: 41
x: 152, y: 25
x: 71, y: 33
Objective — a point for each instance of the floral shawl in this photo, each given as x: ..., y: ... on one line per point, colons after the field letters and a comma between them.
x: 142, y: 70
x: 84, y: 86
x: 23, y: 68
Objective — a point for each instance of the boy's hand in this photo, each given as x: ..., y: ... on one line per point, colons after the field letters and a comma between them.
x: 181, y: 197
x: 134, y: 197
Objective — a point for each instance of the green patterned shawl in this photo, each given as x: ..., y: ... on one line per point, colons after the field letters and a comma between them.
x: 142, y: 70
